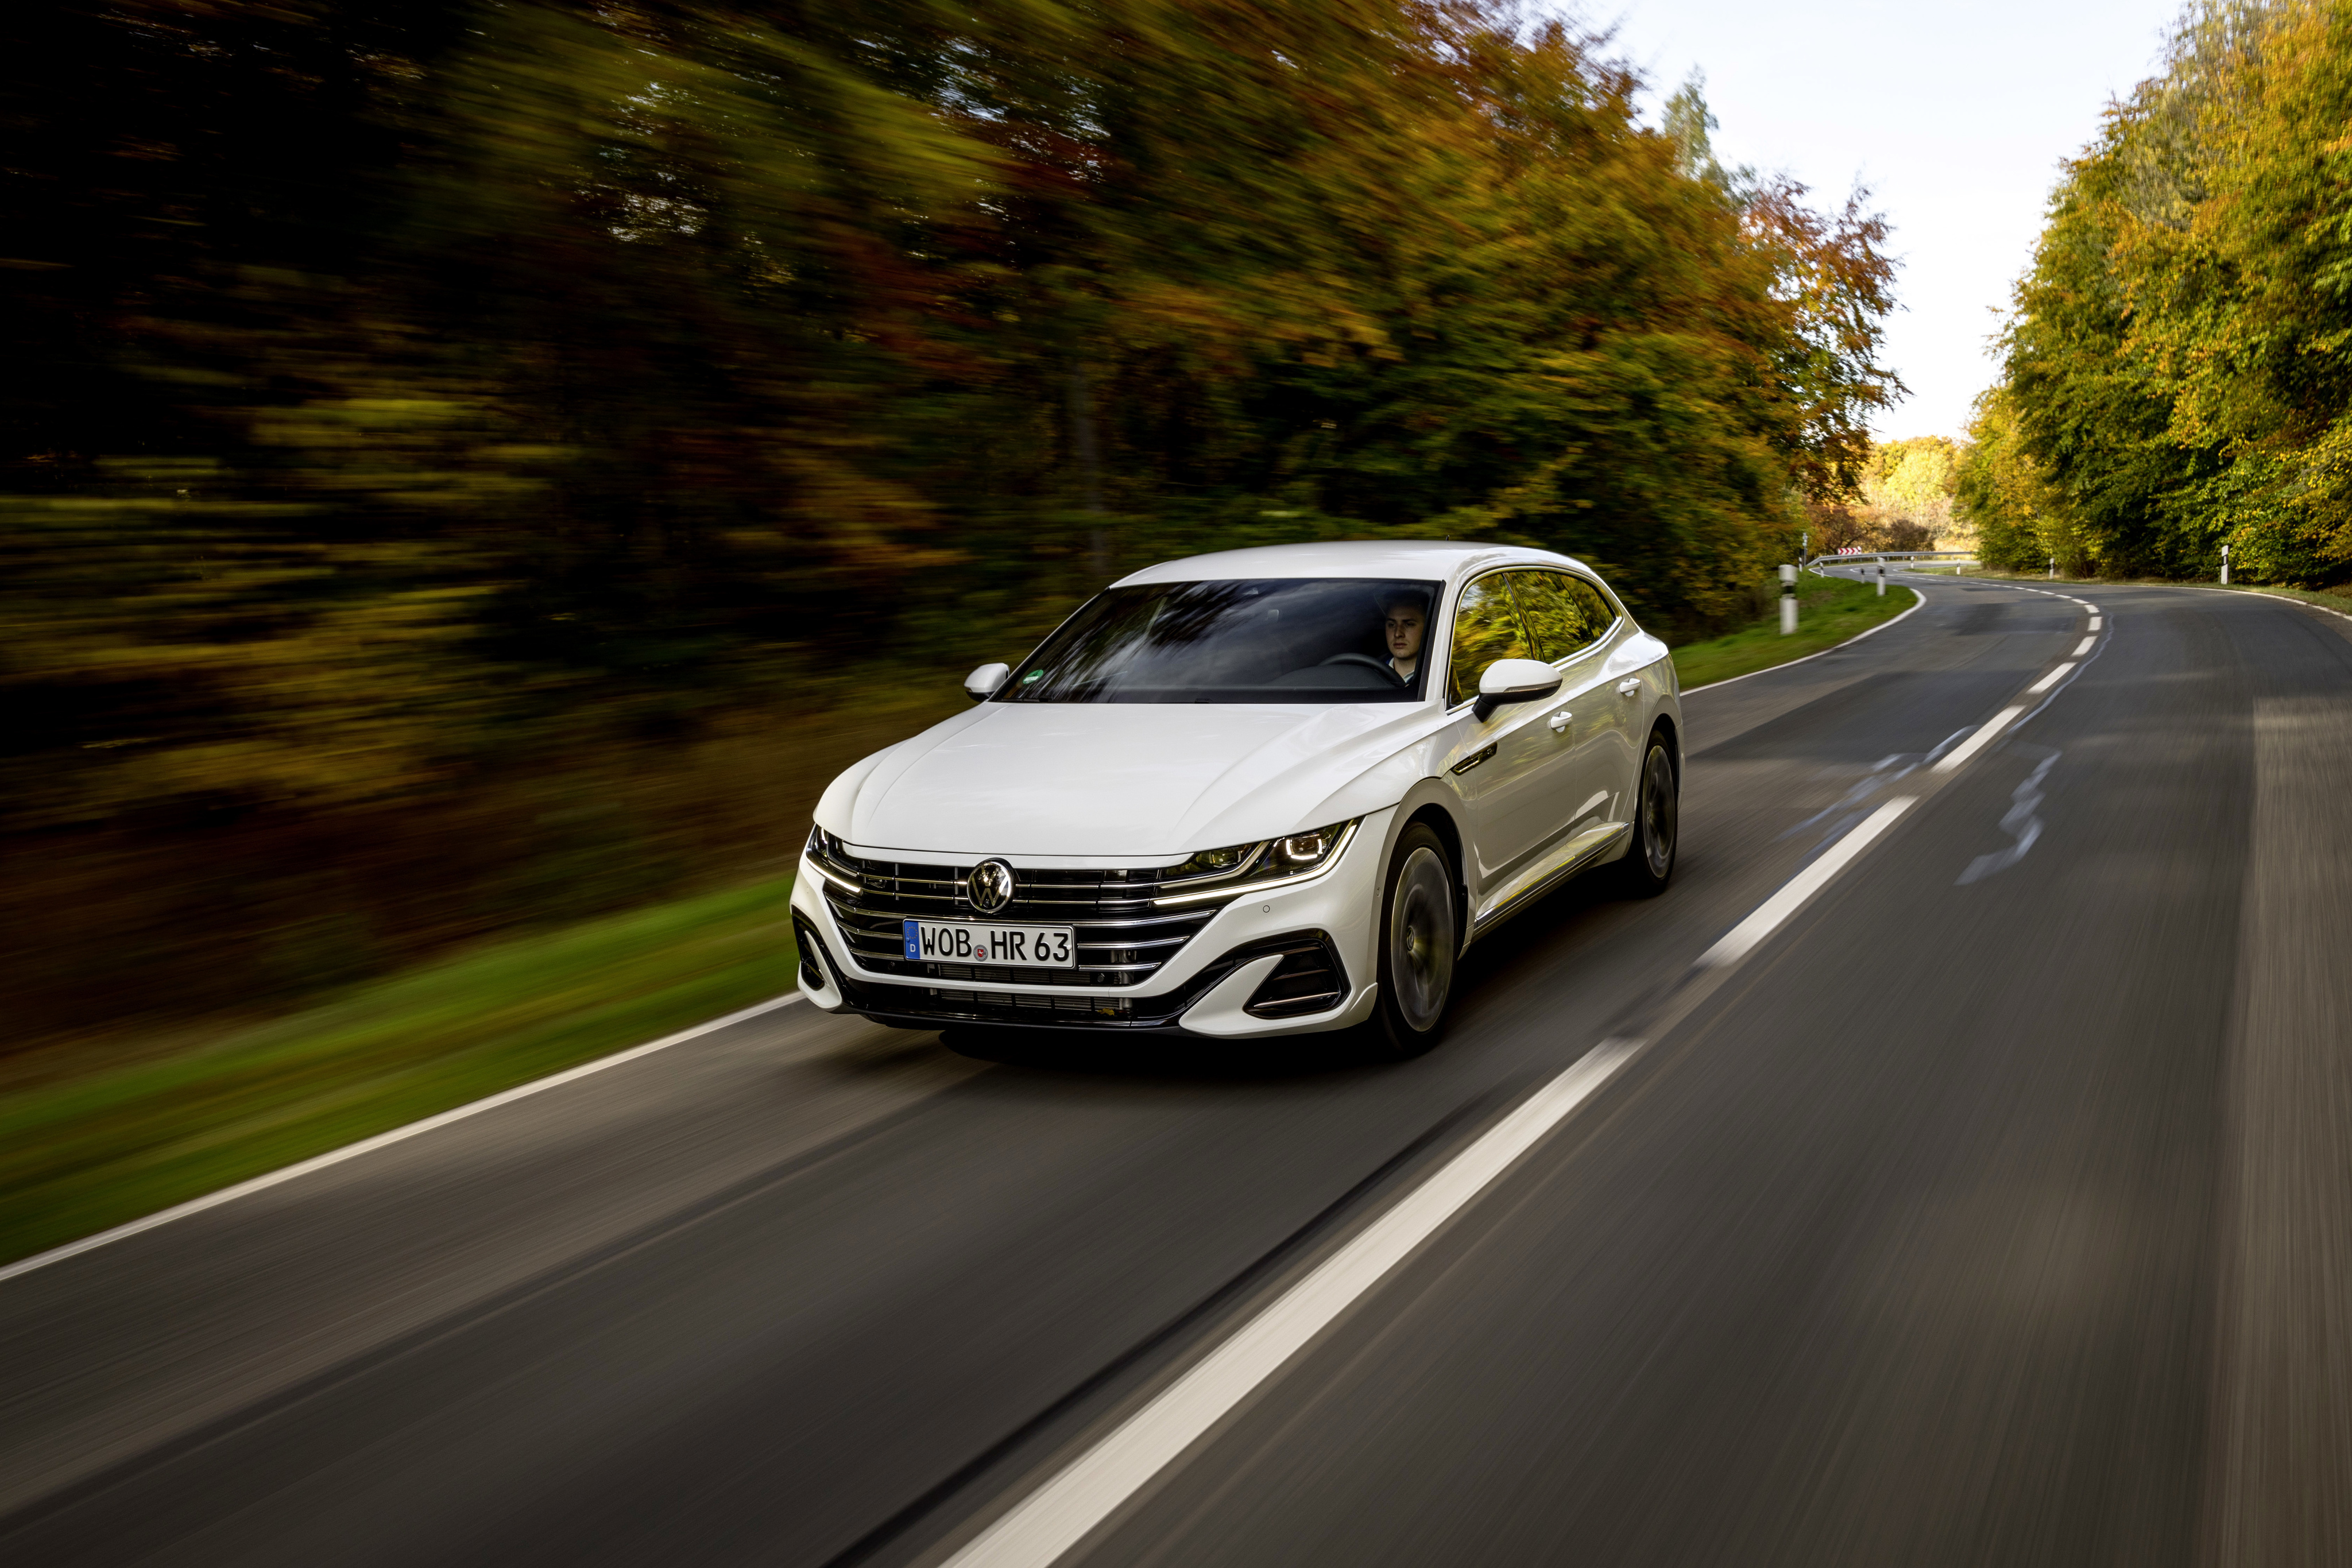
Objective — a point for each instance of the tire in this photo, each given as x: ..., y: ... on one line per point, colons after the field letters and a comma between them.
x: 1420, y: 938
x: 1649, y: 863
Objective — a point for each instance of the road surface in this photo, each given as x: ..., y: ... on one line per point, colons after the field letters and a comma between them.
x: 1995, y: 1209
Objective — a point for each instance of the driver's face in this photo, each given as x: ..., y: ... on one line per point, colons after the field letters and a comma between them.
x: 1404, y: 626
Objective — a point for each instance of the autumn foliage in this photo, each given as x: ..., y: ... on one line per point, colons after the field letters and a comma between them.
x: 435, y: 427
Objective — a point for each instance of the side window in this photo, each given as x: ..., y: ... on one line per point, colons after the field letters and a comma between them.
x: 1486, y: 628
x: 1597, y: 605
x: 1564, y: 614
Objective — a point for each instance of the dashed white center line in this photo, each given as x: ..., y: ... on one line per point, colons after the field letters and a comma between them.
x: 1057, y: 1516
x: 1769, y: 913
x: 1047, y: 1524
x: 1983, y: 737
x: 2083, y: 646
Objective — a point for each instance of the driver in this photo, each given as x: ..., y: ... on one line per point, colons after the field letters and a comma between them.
x: 1404, y: 620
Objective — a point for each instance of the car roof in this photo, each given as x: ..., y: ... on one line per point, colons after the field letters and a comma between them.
x: 1419, y: 559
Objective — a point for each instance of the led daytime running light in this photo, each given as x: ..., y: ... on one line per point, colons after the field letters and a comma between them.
x: 1305, y: 866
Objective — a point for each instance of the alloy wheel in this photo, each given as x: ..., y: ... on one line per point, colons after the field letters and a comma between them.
x: 1422, y: 938
x: 1658, y: 812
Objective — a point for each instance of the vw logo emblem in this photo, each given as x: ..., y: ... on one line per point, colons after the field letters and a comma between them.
x: 990, y: 885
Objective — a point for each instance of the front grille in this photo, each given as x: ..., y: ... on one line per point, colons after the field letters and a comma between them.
x: 1121, y: 938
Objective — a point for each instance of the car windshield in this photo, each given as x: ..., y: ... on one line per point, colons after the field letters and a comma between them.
x: 1262, y: 640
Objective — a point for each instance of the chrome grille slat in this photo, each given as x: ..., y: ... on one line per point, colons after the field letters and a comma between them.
x: 1111, y: 917
x: 1195, y: 918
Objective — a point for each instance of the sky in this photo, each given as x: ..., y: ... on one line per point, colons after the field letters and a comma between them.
x: 1956, y: 117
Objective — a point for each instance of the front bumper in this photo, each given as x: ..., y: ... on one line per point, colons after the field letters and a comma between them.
x: 1219, y: 985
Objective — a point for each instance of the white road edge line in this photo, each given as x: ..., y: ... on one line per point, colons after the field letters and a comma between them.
x: 384, y: 1140
x: 1920, y: 603
x: 2052, y: 679
x: 2259, y: 594
x: 2083, y: 646
x: 1984, y: 736
x: 1736, y: 943
x: 1057, y: 1515
x: 2095, y: 624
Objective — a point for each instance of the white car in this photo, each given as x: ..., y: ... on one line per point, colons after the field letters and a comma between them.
x: 1262, y: 792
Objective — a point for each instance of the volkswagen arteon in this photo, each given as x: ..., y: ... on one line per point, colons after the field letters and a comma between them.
x: 1261, y: 792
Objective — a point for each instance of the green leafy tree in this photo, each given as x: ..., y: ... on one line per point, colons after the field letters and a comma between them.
x: 2176, y: 364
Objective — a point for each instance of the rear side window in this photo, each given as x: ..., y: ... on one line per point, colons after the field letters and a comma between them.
x: 1564, y: 614
x: 1486, y: 628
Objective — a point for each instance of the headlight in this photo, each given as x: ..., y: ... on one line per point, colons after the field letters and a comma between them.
x: 1269, y: 863
x: 1302, y: 850
x: 825, y: 858
x: 1216, y: 863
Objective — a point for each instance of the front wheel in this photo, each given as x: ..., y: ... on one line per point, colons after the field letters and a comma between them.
x: 1649, y: 863
x: 1419, y: 936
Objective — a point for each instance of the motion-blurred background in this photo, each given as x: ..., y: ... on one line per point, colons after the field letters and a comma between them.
x: 481, y: 463
x: 474, y: 466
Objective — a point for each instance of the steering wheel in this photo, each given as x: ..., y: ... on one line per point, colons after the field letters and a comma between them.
x: 1367, y: 660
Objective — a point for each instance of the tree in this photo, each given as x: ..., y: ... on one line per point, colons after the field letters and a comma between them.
x: 432, y: 419
x: 2177, y: 369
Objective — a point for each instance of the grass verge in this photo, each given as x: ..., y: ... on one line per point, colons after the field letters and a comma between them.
x: 1829, y: 611
x: 85, y: 1154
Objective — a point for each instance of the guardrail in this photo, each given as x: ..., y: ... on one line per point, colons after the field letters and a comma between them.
x: 1884, y: 555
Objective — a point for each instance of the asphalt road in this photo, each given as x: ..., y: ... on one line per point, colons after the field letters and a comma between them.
x: 1996, y: 1209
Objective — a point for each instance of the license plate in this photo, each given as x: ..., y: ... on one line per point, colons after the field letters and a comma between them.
x: 963, y: 942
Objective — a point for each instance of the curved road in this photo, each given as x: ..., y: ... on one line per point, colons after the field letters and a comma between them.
x: 1995, y: 1209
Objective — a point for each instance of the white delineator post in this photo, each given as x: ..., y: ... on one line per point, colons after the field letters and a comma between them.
x: 1788, y: 599
x: 1881, y: 579
x: 2053, y: 566
x: 2225, y: 563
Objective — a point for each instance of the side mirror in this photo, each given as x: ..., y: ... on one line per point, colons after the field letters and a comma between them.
x: 1514, y: 681
x: 986, y: 682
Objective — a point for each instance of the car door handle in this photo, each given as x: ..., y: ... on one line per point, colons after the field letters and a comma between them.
x: 1627, y: 688
x: 1560, y: 720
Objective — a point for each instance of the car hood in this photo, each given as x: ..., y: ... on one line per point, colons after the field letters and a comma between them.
x: 1145, y: 780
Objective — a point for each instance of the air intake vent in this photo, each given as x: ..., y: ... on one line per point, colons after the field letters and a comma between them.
x: 1309, y: 979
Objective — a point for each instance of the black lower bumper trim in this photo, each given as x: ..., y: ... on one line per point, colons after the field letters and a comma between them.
x: 932, y: 1007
